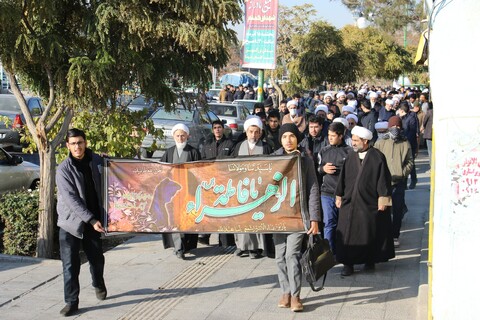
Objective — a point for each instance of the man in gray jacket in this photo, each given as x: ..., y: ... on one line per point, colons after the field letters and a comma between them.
x: 80, y: 213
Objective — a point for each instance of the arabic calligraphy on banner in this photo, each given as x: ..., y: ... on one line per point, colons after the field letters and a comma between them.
x: 255, y: 194
x: 260, y: 37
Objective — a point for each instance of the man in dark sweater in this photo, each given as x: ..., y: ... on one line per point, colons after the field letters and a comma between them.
x: 80, y: 214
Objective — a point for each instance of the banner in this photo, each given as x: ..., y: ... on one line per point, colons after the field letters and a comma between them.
x: 260, y: 35
x: 241, y: 195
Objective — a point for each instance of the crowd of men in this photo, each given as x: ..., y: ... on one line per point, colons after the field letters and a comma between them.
x: 357, y: 148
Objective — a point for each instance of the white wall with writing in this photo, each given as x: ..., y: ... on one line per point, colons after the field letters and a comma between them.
x: 455, y: 84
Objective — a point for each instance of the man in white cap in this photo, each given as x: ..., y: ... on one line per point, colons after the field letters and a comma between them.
x: 352, y: 122
x: 363, y: 195
x: 251, y: 243
x: 387, y: 111
x: 341, y: 99
x: 179, y: 153
x: 295, y: 116
x: 382, y: 129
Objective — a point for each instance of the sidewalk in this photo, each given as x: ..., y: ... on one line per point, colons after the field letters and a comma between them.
x: 145, y: 281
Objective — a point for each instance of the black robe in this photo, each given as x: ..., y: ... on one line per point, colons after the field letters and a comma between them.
x: 189, y: 240
x: 364, y: 234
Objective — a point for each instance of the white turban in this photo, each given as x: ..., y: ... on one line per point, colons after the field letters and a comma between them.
x: 352, y: 103
x: 362, y: 91
x: 373, y: 94
x: 362, y: 132
x: 342, y: 121
x: 180, y: 126
x: 253, y: 121
x: 352, y: 116
x: 348, y: 108
x: 381, y: 125
x: 341, y: 93
x: 321, y: 107
x: 389, y: 101
x: 328, y: 95
x: 292, y: 102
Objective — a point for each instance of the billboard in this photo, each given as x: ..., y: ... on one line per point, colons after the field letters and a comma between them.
x: 242, y: 195
x: 260, y: 34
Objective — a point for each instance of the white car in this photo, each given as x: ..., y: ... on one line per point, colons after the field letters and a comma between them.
x: 233, y: 115
x: 16, y: 174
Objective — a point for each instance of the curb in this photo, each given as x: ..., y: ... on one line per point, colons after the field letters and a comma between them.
x: 423, y: 286
x: 22, y: 259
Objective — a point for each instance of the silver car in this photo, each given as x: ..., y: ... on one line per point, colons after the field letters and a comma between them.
x: 9, y: 107
x: 16, y: 174
x: 233, y: 115
x: 198, y: 121
x: 247, y: 103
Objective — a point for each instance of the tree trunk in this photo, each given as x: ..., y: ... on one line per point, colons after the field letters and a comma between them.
x: 46, y: 218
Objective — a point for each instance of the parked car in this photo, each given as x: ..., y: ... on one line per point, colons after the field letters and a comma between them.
x: 247, y: 103
x: 198, y: 121
x: 140, y: 103
x: 213, y: 94
x: 9, y: 107
x: 233, y: 115
x: 16, y: 174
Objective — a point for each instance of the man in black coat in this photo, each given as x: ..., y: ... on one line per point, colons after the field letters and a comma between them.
x: 363, y: 195
x: 411, y: 131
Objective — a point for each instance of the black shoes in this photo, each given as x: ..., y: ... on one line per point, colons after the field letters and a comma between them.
x: 255, y: 254
x: 180, y: 254
x: 101, y: 293
x: 347, y: 270
x: 413, y: 184
x: 240, y: 252
x: 69, y: 310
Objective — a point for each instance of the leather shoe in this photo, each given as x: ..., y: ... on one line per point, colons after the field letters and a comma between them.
x: 69, y: 310
x: 285, y: 301
x: 101, y: 293
x: 347, y: 270
x: 254, y: 254
x: 180, y: 254
x: 239, y: 252
x: 296, y: 304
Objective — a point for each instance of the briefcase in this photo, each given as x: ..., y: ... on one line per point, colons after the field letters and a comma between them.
x: 316, y: 261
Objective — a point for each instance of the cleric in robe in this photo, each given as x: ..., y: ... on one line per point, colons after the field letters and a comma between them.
x: 180, y: 153
x: 363, y: 194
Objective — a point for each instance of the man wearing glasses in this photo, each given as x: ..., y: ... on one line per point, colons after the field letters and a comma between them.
x: 80, y: 213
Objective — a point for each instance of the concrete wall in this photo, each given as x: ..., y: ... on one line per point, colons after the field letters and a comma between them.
x: 455, y: 84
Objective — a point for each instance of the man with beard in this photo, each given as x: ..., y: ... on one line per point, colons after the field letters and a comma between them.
x: 251, y: 243
x: 387, y: 111
x: 217, y: 146
x: 295, y: 116
x: 363, y: 195
x: 179, y: 153
x: 368, y: 117
x: 398, y: 153
x: 331, y: 158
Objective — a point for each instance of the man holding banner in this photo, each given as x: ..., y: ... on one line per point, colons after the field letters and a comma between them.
x: 288, y: 246
x: 180, y: 153
x: 251, y: 243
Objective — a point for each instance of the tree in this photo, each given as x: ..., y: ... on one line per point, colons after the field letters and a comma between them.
x: 81, y: 54
x: 323, y: 58
x: 380, y: 57
x: 388, y: 15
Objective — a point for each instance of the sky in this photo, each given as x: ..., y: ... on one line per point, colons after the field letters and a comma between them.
x: 334, y: 12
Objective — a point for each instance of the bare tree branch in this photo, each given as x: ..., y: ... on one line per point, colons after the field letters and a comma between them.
x: 51, y: 97
x: 63, y: 130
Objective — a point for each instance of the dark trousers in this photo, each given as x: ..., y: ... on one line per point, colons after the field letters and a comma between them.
x: 413, y: 173
x: 70, y: 255
x: 398, y: 206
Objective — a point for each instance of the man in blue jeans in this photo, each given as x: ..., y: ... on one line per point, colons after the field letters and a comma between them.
x: 80, y: 213
x: 331, y: 159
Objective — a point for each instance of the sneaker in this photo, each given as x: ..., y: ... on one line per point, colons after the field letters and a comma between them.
x: 296, y: 305
x: 396, y: 242
x: 285, y: 301
x: 347, y: 270
x: 69, y: 310
x: 101, y: 293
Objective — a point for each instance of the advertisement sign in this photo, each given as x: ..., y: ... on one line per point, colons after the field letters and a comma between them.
x: 260, y: 35
x: 241, y: 195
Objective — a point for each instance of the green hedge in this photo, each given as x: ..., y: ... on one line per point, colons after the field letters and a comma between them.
x: 19, y: 213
